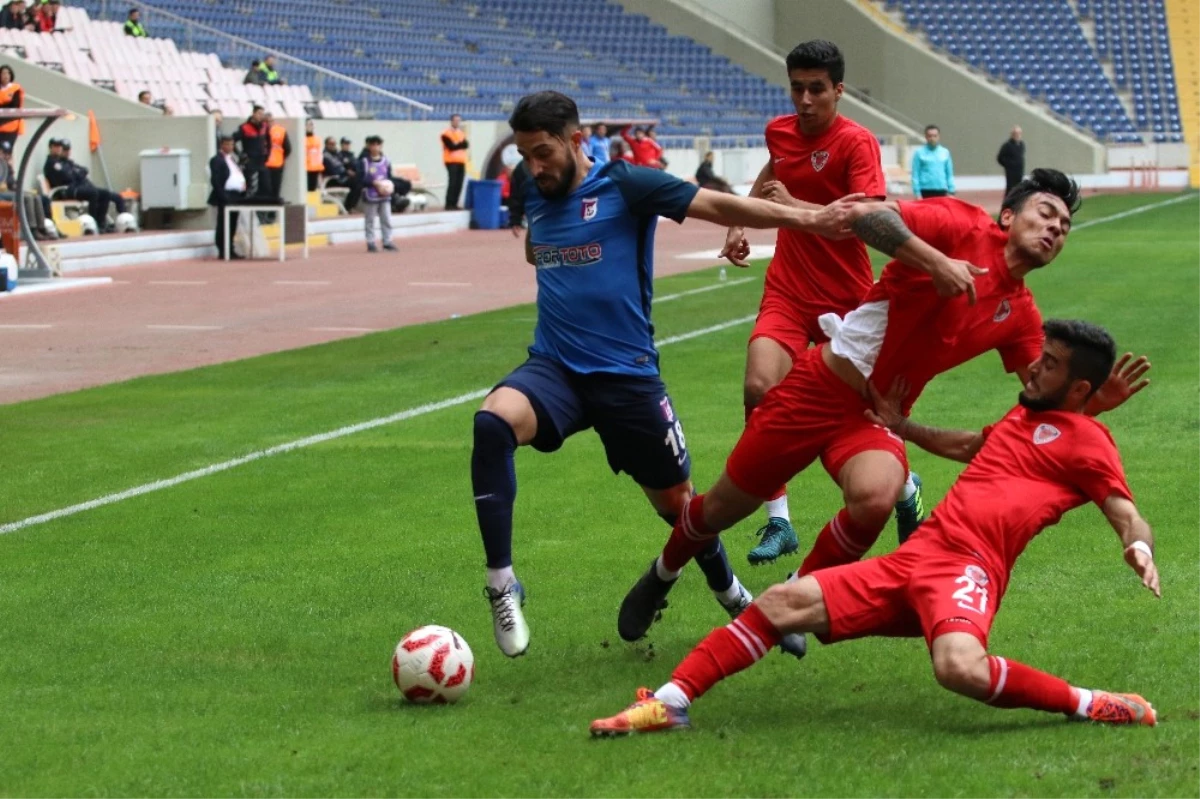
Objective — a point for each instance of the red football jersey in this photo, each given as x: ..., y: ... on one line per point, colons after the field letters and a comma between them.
x: 927, y: 335
x: 1033, y: 467
x: 816, y: 274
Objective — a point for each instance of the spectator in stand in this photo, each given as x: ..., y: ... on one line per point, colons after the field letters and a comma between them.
x: 228, y: 187
x: 269, y: 75
x: 11, y: 96
x: 645, y: 151
x: 932, y: 167
x: 45, y: 19
x: 280, y: 150
x: 254, y: 75
x: 600, y: 150
x: 66, y: 172
x: 134, y: 26
x: 1011, y: 157
x: 254, y: 138
x: 454, y: 156
x: 338, y: 174
x: 314, y: 164
x: 145, y: 98
x: 346, y: 154
x: 376, y: 171
x: 706, y: 178
x: 14, y: 16
x: 585, y: 143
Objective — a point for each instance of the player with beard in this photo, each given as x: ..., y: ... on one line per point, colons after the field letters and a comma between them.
x: 593, y: 362
x: 1043, y: 459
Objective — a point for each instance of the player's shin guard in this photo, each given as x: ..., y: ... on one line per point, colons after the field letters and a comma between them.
x: 494, y: 480
x: 841, y: 541
x: 689, y: 537
x: 726, y: 651
x: 1014, y: 684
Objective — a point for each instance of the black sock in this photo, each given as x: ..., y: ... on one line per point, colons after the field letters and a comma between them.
x: 714, y: 562
x: 494, y: 480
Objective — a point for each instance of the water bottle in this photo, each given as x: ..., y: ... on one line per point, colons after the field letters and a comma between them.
x: 721, y: 276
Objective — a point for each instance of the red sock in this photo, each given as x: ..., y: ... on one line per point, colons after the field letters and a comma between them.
x: 726, y: 651
x: 842, y: 541
x: 1014, y: 684
x: 689, y: 536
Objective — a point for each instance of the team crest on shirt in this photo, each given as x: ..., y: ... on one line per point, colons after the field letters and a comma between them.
x: 977, y: 574
x: 819, y: 159
x: 668, y: 411
x: 1002, y: 311
x: 1045, y: 433
x: 587, y: 210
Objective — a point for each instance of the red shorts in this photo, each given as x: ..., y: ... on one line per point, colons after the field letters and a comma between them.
x: 788, y: 326
x: 811, y: 414
x: 921, y: 589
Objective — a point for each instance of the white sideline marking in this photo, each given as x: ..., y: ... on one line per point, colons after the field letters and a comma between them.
x: 1132, y: 211
x: 184, y: 327
x: 25, y: 327
x: 344, y: 329
x: 702, y: 289
x: 303, y: 282
x: 424, y: 284
x: 176, y: 282
x: 320, y: 438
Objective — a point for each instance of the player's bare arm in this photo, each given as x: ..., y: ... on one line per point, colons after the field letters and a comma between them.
x: 1136, y: 537
x: 880, y: 226
x: 727, y: 209
x: 737, y: 248
x: 1128, y: 378
x: 955, y: 445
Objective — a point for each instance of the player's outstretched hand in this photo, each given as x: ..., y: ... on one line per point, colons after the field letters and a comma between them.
x: 1143, y: 566
x: 887, y: 407
x: 954, y: 277
x: 736, y: 249
x: 1128, y: 378
x: 833, y: 220
x: 776, y: 192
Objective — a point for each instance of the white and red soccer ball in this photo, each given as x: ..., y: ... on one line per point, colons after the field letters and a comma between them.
x: 433, y: 664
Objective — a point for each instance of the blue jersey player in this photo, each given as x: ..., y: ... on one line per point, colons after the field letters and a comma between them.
x: 593, y: 362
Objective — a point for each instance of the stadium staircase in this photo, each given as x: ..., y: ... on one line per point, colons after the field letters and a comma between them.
x: 1183, y: 25
x: 1103, y: 49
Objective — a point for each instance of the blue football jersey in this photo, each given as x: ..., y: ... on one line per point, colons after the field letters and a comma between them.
x: 594, y: 254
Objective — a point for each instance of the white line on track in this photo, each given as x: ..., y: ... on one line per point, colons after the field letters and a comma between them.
x: 320, y: 438
x: 25, y: 327
x: 420, y: 410
x: 303, y: 282
x: 184, y: 327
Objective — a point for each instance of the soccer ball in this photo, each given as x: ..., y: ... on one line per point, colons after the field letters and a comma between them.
x: 433, y: 664
x: 385, y: 188
x: 126, y: 224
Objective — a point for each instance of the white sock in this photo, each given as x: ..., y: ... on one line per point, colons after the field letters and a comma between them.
x: 777, y: 508
x: 1085, y: 699
x: 663, y: 572
x: 731, y: 593
x: 673, y: 696
x: 910, y: 488
x: 499, y: 579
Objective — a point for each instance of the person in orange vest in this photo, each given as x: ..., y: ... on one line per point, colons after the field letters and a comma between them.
x: 314, y: 162
x: 11, y: 96
x: 454, y: 156
x: 281, y: 149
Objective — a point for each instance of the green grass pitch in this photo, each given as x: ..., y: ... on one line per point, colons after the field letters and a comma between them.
x: 231, y: 635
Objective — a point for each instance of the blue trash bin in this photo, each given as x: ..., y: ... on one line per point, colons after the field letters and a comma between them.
x: 485, y: 204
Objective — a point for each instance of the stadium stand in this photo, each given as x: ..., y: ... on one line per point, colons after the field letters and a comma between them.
x: 1060, y: 66
x: 1183, y: 24
x: 191, y: 83
x: 477, y: 58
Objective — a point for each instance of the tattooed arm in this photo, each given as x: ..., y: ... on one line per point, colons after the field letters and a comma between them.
x: 879, y: 225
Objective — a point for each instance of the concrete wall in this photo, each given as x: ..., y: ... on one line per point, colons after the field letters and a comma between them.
x: 755, y: 17
x: 65, y: 92
x: 688, y: 18
x: 974, y: 116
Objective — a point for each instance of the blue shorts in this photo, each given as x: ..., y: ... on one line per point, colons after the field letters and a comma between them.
x: 633, y: 416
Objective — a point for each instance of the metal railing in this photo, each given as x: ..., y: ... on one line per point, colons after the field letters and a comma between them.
x: 237, y: 52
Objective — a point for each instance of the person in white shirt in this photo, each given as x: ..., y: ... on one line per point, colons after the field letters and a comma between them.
x: 228, y: 187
